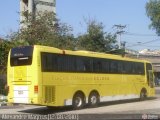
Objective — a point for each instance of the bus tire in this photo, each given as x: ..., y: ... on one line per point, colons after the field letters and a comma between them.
x: 78, y: 101
x: 143, y: 94
x: 93, y: 99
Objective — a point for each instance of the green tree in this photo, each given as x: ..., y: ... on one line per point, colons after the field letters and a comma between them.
x: 5, y: 46
x: 95, y: 39
x: 43, y: 31
x: 64, y: 38
x: 153, y: 12
x: 4, y: 50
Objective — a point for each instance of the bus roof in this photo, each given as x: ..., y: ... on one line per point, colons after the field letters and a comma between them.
x: 87, y: 53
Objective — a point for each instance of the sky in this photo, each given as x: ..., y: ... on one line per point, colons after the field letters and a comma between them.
x: 110, y: 12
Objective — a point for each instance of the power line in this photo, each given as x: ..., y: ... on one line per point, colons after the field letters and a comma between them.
x: 138, y: 34
x: 145, y: 45
x: 131, y: 44
x: 138, y: 44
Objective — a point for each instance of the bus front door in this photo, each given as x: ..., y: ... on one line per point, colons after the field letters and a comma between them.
x: 150, y: 79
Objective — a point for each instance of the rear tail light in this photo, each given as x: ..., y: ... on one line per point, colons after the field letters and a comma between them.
x: 36, y: 89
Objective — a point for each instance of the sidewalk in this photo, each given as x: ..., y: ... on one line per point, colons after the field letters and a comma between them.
x: 157, y: 87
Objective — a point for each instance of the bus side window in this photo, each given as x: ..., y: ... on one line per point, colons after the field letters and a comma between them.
x: 113, y: 66
x: 62, y: 63
x: 148, y: 67
x: 72, y: 63
x: 133, y: 68
x: 88, y: 65
x: 79, y: 64
x: 49, y: 63
x: 46, y: 62
x: 120, y: 67
x: 97, y: 65
x: 54, y: 62
x: 105, y: 66
x: 140, y: 68
x: 126, y: 67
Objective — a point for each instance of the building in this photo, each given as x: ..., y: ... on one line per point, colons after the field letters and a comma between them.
x: 152, y: 56
x: 34, y: 6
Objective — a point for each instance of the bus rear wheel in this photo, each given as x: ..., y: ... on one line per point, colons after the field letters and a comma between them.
x: 78, y: 101
x: 93, y: 99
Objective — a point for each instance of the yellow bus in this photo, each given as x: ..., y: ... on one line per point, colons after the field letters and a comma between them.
x: 49, y: 76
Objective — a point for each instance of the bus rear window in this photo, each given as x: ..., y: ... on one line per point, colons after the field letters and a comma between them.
x: 21, y: 56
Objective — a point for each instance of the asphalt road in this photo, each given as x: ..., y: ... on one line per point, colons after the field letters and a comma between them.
x: 130, y: 109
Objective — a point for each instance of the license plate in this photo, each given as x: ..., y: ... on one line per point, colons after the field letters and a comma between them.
x: 20, y: 92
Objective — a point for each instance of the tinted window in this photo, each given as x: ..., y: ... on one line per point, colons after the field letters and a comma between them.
x: 139, y: 68
x: 64, y: 63
x: 21, y: 56
x: 113, y: 66
x: 52, y: 62
x: 149, y: 66
x: 105, y: 66
x: 47, y: 62
x: 120, y: 66
x: 88, y: 65
x: 80, y: 64
x: 97, y: 65
x: 24, y: 51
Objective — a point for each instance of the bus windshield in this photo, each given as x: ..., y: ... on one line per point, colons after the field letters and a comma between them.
x: 21, y: 56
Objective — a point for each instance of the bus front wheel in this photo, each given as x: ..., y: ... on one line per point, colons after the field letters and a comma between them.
x: 78, y: 101
x: 143, y: 94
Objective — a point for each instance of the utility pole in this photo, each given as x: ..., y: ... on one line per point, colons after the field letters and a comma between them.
x: 120, y: 31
